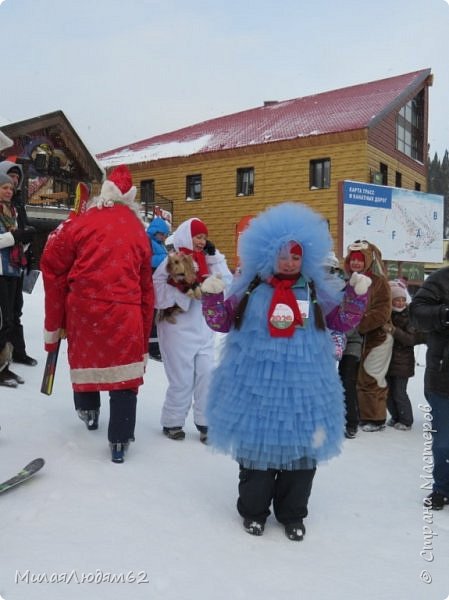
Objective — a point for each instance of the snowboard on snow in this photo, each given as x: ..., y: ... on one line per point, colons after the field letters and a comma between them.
x: 33, y: 467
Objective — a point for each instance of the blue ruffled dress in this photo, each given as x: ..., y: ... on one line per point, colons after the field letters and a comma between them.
x: 276, y: 403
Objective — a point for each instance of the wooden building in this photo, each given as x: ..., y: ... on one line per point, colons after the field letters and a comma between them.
x: 227, y: 169
x: 54, y: 160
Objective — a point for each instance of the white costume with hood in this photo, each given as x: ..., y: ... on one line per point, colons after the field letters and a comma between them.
x: 187, y: 346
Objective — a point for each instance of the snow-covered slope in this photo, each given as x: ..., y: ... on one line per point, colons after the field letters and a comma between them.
x: 167, y: 517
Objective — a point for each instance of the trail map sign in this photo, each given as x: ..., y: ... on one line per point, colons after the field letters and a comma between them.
x: 404, y: 224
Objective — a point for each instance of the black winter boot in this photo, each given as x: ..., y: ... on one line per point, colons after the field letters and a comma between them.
x: 90, y: 417
x: 253, y: 527
x: 295, y: 531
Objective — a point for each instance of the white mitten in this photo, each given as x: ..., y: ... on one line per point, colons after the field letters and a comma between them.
x: 360, y: 283
x: 213, y: 285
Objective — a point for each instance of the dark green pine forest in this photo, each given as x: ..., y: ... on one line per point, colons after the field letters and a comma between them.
x: 438, y: 183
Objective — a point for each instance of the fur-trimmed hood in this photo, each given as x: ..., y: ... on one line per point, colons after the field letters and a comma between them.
x: 371, y: 253
x: 7, y: 165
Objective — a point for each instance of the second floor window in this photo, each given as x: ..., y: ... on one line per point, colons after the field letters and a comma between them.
x: 193, y: 187
x: 320, y: 174
x: 410, y: 128
x: 245, y: 181
x: 147, y: 192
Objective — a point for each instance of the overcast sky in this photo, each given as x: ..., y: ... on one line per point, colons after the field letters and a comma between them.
x: 125, y: 71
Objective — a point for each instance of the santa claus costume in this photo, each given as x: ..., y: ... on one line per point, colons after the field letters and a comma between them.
x: 98, y: 290
x: 187, y: 346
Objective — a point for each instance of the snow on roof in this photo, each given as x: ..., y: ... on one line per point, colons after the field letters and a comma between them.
x: 156, y: 151
x: 5, y: 141
x: 345, y: 109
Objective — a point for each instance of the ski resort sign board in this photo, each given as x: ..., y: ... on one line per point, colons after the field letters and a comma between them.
x: 406, y: 225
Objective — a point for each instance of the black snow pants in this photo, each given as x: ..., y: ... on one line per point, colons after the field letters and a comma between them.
x: 122, y: 415
x: 288, y: 490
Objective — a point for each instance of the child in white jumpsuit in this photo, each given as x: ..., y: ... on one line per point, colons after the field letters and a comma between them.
x: 187, y: 346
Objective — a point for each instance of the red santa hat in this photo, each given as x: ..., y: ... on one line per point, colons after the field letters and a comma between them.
x: 197, y: 227
x: 118, y: 187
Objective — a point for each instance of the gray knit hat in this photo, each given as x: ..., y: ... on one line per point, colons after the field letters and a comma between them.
x: 5, y: 179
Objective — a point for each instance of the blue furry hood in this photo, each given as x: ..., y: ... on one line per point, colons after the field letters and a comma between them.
x: 158, y: 225
x: 260, y: 243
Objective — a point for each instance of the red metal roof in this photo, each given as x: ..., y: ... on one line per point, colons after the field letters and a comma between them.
x: 345, y: 109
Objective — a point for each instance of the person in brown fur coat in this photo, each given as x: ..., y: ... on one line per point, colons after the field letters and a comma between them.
x: 372, y: 390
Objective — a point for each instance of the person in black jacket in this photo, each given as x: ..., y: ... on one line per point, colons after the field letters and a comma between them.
x: 15, y: 172
x: 402, y: 363
x: 429, y: 312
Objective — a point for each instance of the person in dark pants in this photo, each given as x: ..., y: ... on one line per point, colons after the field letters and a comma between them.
x: 429, y: 312
x: 122, y: 407
x: 288, y: 490
x: 275, y: 400
x: 402, y: 363
x: 348, y: 369
x: 99, y: 292
x: 20, y: 355
x: 13, y: 240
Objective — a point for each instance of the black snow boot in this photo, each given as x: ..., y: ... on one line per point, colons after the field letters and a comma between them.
x: 295, y: 531
x: 90, y: 417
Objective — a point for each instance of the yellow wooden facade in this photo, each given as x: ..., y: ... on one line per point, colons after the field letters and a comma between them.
x: 281, y: 172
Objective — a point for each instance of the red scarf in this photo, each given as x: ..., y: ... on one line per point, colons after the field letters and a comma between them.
x: 200, y: 259
x: 283, y: 323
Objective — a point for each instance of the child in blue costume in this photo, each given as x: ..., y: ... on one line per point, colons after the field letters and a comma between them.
x: 275, y: 400
x: 157, y: 232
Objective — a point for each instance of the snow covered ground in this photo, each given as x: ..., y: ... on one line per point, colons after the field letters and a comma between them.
x: 164, y: 524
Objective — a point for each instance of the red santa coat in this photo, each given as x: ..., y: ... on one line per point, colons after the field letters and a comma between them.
x: 98, y: 287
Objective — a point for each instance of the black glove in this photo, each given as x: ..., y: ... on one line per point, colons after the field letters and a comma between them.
x: 209, y: 248
x: 24, y: 235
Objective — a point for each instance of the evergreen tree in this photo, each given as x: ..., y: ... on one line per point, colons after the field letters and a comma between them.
x: 438, y: 183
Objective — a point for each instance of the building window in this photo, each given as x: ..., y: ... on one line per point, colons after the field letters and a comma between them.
x: 147, y: 191
x: 417, y: 186
x: 193, y: 187
x: 398, y: 179
x: 147, y: 194
x: 320, y: 174
x: 410, y: 128
x: 384, y: 170
x: 59, y: 185
x: 245, y: 181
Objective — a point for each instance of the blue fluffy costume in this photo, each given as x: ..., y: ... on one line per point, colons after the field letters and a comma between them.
x: 277, y: 402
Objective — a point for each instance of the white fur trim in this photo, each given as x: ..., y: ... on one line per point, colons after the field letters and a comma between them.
x: 130, y: 195
x: 50, y: 337
x: 108, y: 374
x: 109, y: 191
